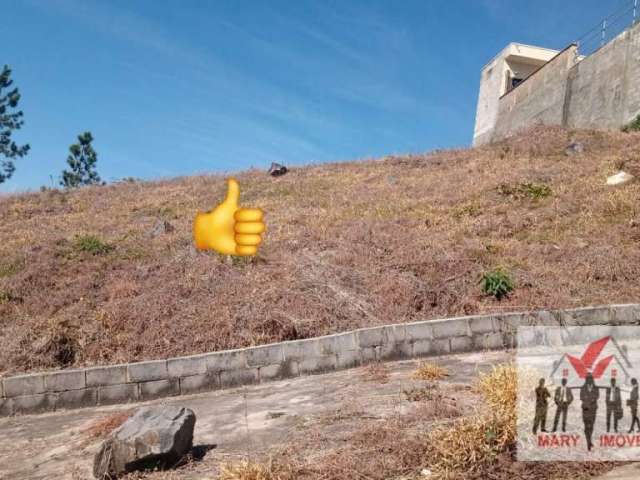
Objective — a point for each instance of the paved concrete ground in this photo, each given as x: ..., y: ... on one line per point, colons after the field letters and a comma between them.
x: 231, y: 423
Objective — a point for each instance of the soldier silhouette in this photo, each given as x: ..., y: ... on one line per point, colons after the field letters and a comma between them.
x: 589, y: 395
x: 563, y: 398
x: 540, y: 420
x: 614, y: 406
x: 632, y: 403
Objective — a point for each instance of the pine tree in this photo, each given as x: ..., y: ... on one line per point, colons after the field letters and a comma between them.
x: 10, y: 120
x: 82, y: 161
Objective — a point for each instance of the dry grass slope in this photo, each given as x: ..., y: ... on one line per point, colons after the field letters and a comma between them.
x: 82, y: 280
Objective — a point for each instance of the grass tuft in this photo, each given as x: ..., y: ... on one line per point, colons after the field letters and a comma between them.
x: 430, y: 371
x: 248, y: 470
x: 470, y: 444
x: 534, y: 191
x: 91, y: 244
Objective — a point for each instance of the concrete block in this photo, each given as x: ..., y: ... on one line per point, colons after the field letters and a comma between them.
x: 371, y: 337
x: 330, y: 345
x: 587, y: 316
x: 625, y: 314
x: 199, y: 383
x: 451, y: 327
x: 187, y: 366
x: 294, y: 350
x: 543, y: 318
x: 229, y: 360
x: 461, y: 344
x: 423, y: 348
x: 235, y: 378
x: 159, y: 388
x: 482, y: 324
x: 265, y: 355
x: 349, y: 359
x: 509, y: 322
x: 65, y: 380
x: 510, y: 340
x: 147, y: 371
x: 369, y: 354
x: 488, y: 341
x: 22, y: 385
x: 70, y: 399
x: 290, y: 369
x: 104, y: 376
x: 440, y: 346
x: 419, y: 331
x: 124, y: 393
x: 6, y: 407
x: 272, y: 372
x: 318, y: 364
x: 34, y: 403
x: 308, y: 348
x: 397, y: 333
x: 344, y: 341
x: 395, y: 351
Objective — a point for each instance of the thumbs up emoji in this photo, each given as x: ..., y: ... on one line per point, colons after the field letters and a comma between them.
x: 229, y: 229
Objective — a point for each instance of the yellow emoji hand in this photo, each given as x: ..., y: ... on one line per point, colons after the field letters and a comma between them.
x: 229, y: 229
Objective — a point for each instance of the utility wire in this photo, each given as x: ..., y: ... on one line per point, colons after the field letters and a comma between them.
x: 626, y: 7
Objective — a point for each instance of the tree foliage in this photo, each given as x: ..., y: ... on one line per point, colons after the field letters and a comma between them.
x: 82, y: 161
x: 10, y: 121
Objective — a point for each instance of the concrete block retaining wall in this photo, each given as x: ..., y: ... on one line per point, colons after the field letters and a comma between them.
x: 114, y: 384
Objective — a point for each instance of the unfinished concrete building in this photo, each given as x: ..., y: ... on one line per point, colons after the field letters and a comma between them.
x: 526, y: 85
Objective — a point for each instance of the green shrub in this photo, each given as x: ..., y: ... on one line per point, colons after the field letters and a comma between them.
x: 91, y: 244
x: 497, y: 283
x: 632, y: 126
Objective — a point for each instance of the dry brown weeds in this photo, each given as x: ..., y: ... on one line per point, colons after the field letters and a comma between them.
x: 102, y: 427
x: 348, y: 245
x: 430, y: 371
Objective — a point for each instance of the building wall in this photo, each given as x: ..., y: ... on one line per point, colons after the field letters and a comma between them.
x: 539, y: 99
x: 604, y: 90
x: 599, y: 91
x: 525, y: 59
x: 491, y: 81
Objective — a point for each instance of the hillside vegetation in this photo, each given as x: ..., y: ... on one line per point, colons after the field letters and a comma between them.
x: 85, y: 278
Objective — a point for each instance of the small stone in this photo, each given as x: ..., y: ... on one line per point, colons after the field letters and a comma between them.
x: 277, y: 170
x: 620, y: 178
x: 574, y: 148
x: 155, y: 437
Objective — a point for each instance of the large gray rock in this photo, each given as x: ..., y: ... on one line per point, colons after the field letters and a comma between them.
x: 155, y: 437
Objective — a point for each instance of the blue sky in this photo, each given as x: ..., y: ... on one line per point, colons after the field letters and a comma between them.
x: 172, y: 87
